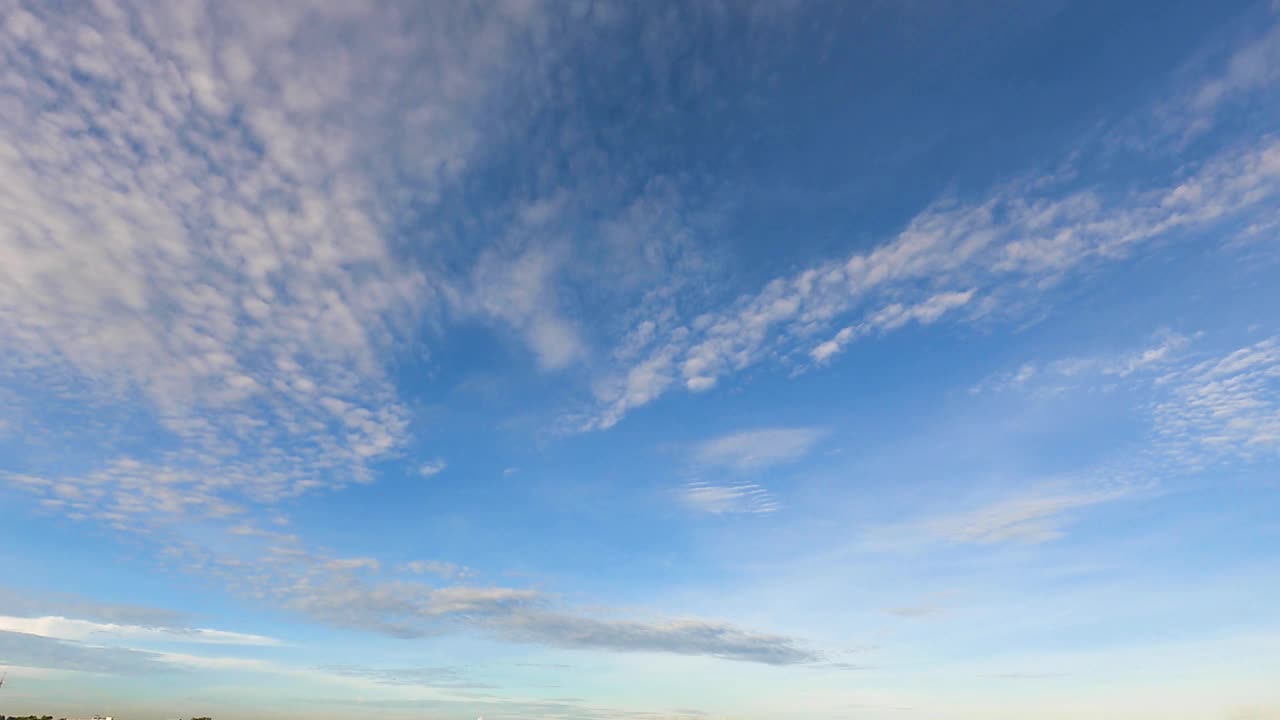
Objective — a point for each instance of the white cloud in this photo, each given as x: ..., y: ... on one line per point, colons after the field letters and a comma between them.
x: 1251, y: 68
x: 896, y: 315
x: 195, y: 228
x: 744, y: 452
x: 233, y: 664
x: 1206, y: 407
x: 1005, y: 251
x: 226, y: 276
x: 1155, y: 356
x: 432, y: 467
x: 192, y: 235
x: 723, y: 499
x: 519, y: 290
x: 522, y: 615
x: 892, y: 317
x: 63, y: 628
x: 238, y: 283
x: 1165, y: 351
x: 350, y: 593
x: 361, y: 563
x: 1206, y: 411
x: 700, y: 383
x: 28, y: 650
x: 831, y: 347
x: 1223, y: 408
x: 683, y: 636
x: 447, y: 570
x: 433, y: 677
x: 755, y: 449
x: 1025, y: 519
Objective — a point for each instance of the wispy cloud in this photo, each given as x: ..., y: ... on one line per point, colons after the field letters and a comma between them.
x: 201, y: 234
x: 193, y: 232
x: 432, y: 467
x: 352, y: 593
x: 1250, y: 69
x: 1203, y: 411
x: 239, y: 282
x: 526, y: 616
x: 757, y: 449
x: 436, y: 677
x: 1032, y: 518
x: 446, y: 570
x: 1206, y: 406
x: 1161, y: 352
x: 1227, y: 407
x: 720, y: 499
x: 740, y: 452
x: 192, y: 239
x: 44, y: 652
x: 353, y: 564
x: 983, y: 260
x: 62, y: 628
x: 892, y: 317
x: 521, y: 292
x: 1164, y: 350
x: 684, y: 637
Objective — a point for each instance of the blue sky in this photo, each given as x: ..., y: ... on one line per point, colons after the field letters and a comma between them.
x: 640, y: 360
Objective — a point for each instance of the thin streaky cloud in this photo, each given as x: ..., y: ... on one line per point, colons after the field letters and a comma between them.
x: 63, y: 628
x: 758, y: 449
x: 727, y: 499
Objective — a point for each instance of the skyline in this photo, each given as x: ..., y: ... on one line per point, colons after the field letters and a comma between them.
x: 640, y: 360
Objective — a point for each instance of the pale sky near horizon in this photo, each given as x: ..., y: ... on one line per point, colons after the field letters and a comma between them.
x: 640, y: 360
